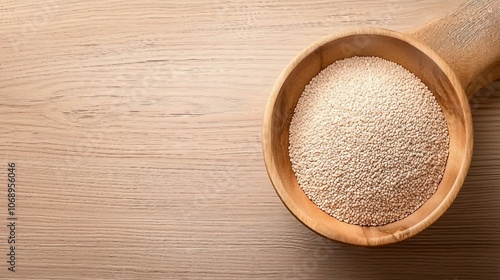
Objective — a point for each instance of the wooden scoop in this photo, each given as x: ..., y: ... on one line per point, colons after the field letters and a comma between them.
x: 454, y: 56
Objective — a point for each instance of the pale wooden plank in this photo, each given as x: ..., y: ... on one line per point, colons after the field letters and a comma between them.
x: 169, y: 183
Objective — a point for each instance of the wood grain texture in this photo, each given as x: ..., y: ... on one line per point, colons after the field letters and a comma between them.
x: 136, y: 130
x: 468, y: 39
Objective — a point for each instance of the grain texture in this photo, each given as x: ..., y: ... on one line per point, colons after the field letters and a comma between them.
x: 368, y: 141
x: 136, y: 129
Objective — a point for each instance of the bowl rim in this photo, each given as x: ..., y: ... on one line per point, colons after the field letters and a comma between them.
x: 267, y: 147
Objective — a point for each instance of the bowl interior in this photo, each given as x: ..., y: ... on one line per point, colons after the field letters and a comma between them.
x: 395, y: 47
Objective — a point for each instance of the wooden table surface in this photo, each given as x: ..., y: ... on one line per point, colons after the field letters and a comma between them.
x: 135, y: 129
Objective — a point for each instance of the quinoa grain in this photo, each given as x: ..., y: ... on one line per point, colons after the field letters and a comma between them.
x: 368, y: 141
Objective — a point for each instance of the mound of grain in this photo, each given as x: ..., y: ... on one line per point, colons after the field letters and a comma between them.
x: 368, y: 141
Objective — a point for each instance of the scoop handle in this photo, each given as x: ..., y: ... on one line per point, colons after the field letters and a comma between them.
x: 468, y: 39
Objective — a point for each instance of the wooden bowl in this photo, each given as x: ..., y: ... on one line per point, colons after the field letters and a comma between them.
x: 415, y: 57
x: 459, y: 51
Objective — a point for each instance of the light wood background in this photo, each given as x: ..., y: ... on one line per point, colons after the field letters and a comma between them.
x: 135, y: 126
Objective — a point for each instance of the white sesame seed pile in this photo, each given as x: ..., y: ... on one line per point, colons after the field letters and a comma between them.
x: 368, y: 141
